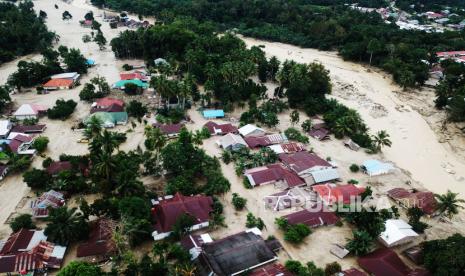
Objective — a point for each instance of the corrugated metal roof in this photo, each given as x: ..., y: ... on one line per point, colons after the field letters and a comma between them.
x: 325, y: 175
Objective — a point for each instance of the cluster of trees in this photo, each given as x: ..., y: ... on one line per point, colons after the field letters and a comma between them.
x: 5, y: 98
x: 265, y: 114
x: 294, y: 134
x: 21, y: 31
x: 62, y: 109
x: 445, y: 257
x: 310, y: 269
x: 324, y: 25
x: 244, y: 159
x: 294, y: 233
x: 98, y: 38
x: 253, y: 221
x: 97, y: 88
x: 31, y: 73
x: 450, y: 92
x: 187, y: 165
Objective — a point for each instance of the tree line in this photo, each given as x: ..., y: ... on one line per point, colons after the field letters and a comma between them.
x: 22, y: 31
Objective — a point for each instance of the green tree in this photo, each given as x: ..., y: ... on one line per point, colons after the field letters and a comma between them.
x: 66, y: 225
x: 449, y: 204
x: 381, y: 139
x: 360, y: 244
x: 307, y: 125
x: 66, y: 16
x: 74, y: 60
x: 295, y: 117
x: 22, y: 221
x: 36, y: 179
x: 238, y: 202
x: 374, y: 46
x: 62, y: 109
x: 76, y: 268
x: 332, y: 269
x: 182, y: 225
x: 41, y: 143
x: 136, y: 109
x: 100, y: 39
x: 445, y: 257
x: 4, y: 97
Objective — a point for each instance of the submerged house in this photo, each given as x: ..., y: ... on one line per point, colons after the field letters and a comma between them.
x: 62, y: 81
x: 213, y: 113
x: 331, y: 193
x: 287, y: 148
x: 275, y: 174
x: 231, y: 142
x: 263, y: 141
x: 166, y: 211
x: 29, y: 111
x: 27, y: 251
x: 319, y: 131
x: 423, y: 200
x: 236, y: 254
x: 109, y: 119
x: 107, y: 105
x: 313, y: 218
x: 170, y: 130
x: 100, y: 245
x: 42, y: 205
x: 21, y: 144
x: 397, y: 232
x: 220, y: 129
x: 5, y: 128
x: 310, y: 167
x: 251, y: 130
x: 376, y: 167
x: 384, y: 261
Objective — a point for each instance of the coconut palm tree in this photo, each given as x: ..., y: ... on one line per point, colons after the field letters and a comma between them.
x: 109, y: 141
x: 105, y: 166
x: 66, y: 225
x: 449, y: 204
x: 94, y: 128
x: 381, y: 139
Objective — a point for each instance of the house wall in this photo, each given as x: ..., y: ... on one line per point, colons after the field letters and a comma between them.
x: 159, y: 236
x: 22, y: 117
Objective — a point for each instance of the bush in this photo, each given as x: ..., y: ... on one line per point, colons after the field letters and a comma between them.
x: 354, y: 168
x: 22, y: 221
x: 238, y: 202
x: 293, y: 134
x: 131, y: 89
x: 62, y: 109
x: 252, y: 221
x: 297, y: 233
x: 332, y: 268
x: 40, y: 143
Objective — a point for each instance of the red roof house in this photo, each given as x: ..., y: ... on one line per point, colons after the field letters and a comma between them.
x: 170, y: 130
x: 273, y: 269
x: 51, y: 199
x: 100, y: 244
x: 28, y: 250
x: 303, y: 161
x: 54, y: 84
x: 287, y: 148
x: 353, y: 272
x: 105, y: 102
x: 423, y: 200
x: 220, y: 129
x: 108, y: 105
x: 27, y: 129
x: 312, y: 218
x: 21, y: 144
x: 132, y: 76
x: 319, y: 131
x: 167, y: 210
x: 59, y: 166
x: 273, y: 174
x: 385, y: 262
x: 330, y: 193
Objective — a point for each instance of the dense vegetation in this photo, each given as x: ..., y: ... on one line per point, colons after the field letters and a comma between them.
x: 451, y: 91
x: 445, y: 257
x: 316, y: 24
x: 21, y: 31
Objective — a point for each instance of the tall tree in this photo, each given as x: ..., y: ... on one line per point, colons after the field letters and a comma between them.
x: 449, y: 204
x: 65, y: 226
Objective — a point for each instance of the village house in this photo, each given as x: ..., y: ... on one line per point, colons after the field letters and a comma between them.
x: 58, y: 166
x: 291, y: 147
x: 62, y: 81
x: 313, y: 218
x: 263, y: 141
x: 136, y: 74
x: 273, y: 269
x: 29, y: 129
x: 5, y: 128
x: 376, y: 167
x: 384, y: 261
x: 42, y: 205
x: 109, y: 119
x: 107, y: 105
x: 100, y: 245
x: 231, y: 142
x: 310, y: 167
x: 122, y: 84
x: 275, y: 174
x: 213, y: 113
x: 236, y: 254
x: 220, y: 129
x: 27, y: 251
x: 397, y: 232
x: 170, y: 130
x: 423, y: 200
x: 251, y: 130
x: 331, y: 193
x: 319, y: 131
x: 29, y: 111
x: 21, y: 143
x: 166, y: 211
x: 295, y: 197
x: 193, y: 244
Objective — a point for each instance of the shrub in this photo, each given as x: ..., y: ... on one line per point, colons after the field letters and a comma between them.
x: 354, y: 168
x: 131, y: 89
x: 332, y: 268
x: 136, y: 109
x: 36, y: 179
x: 297, y: 233
x: 22, y: 221
x: 238, y: 202
x: 226, y: 156
x: 293, y: 134
x: 252, y: 221
x: 40, y: 143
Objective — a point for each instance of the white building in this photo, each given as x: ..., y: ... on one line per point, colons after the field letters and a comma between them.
x: 251, y: 130
x: 397, y: 232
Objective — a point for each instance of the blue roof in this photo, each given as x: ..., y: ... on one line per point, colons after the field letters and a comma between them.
x: 213, y: 113
x: 90, y: 62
